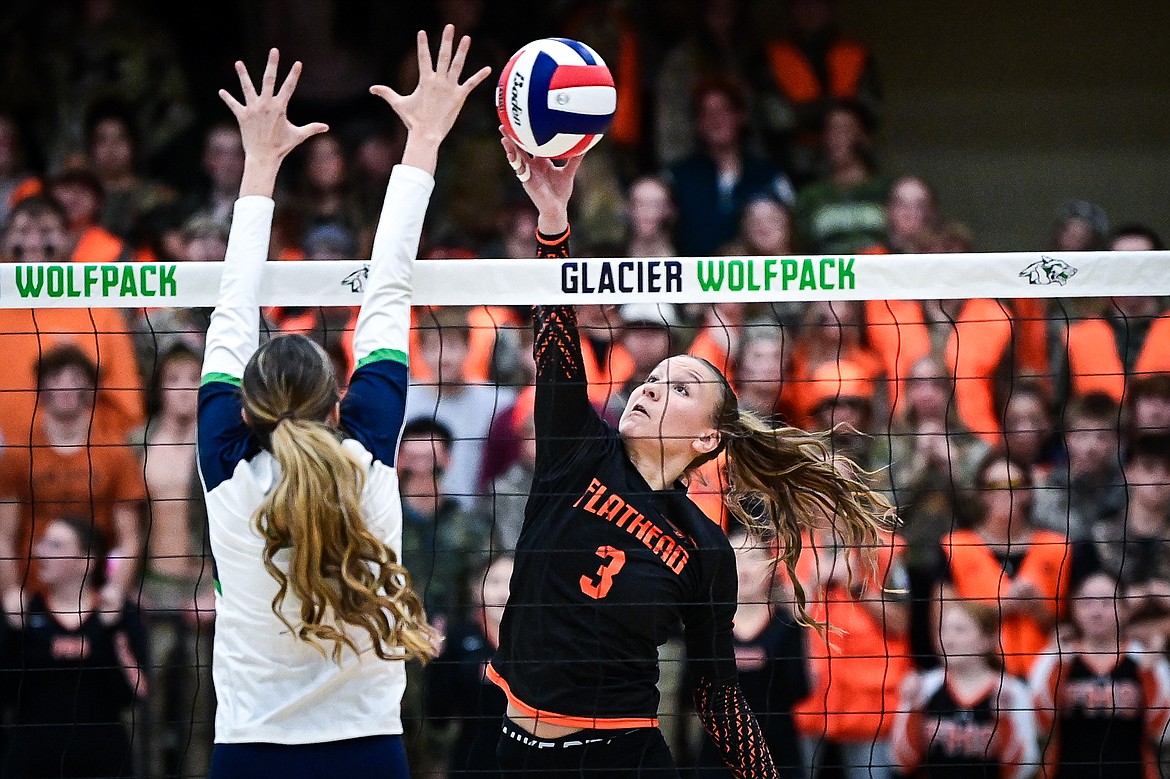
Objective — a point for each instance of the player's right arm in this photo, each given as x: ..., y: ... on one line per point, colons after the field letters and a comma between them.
x: 562, y: 412
x: 375, y: 404
x: 234, y: 333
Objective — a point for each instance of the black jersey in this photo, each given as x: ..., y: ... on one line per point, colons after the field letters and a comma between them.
x: 68, y: 689
x: 994, y: 735
x: 1102, y: 723
x: 605, y: 565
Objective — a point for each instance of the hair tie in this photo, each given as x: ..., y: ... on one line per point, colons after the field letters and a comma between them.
x: 284, y: 416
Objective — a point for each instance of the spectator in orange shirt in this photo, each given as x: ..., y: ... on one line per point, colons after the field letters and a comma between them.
x: 857, y: 665
x: 80, y: 194
x: 1003, y: 561
x: 831, y: 332
x: 69, y: 470
x: 36, y: 233
x: 992, y: 345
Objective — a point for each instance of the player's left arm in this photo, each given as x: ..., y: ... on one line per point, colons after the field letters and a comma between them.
x: 719, y: 701
x: 375, y: 404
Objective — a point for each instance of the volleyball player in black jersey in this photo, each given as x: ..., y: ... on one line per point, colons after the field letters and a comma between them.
x: 613, y: 553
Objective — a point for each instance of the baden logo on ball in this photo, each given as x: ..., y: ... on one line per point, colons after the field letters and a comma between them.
x: 556, y: 98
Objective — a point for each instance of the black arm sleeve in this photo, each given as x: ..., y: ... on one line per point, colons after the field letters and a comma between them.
x: 733, y: 728
x: 562, y: 414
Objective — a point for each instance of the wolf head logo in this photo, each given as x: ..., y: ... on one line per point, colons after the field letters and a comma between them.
x: 1048, y: 270
x: 357, y: 279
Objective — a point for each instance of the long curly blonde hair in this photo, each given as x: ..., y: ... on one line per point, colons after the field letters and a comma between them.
x: 783, y: 481
x: 341, y: 574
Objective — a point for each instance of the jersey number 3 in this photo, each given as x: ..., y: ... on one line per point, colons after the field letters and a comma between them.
x: 597, y: 586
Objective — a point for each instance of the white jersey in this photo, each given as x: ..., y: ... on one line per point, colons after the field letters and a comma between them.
x: 271, y: 686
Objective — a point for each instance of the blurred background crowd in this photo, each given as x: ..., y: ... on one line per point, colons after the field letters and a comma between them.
x: 1025, y: 442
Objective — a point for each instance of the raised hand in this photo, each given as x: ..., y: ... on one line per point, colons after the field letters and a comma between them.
x: 549, y: 186
x: 267, y: 134
x: 430, y: 110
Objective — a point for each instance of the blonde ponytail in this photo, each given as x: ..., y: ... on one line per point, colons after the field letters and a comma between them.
x: 341, y: 573
x: 784, y: 481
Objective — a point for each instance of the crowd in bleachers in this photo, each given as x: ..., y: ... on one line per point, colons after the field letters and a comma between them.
x: 1019, y: 619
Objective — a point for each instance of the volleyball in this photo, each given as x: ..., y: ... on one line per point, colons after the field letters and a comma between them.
x: 556, y: 98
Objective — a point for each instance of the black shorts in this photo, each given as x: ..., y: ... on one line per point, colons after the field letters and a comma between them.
x: 640, y: 753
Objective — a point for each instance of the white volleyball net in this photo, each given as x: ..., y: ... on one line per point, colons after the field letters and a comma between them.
x: 929, y: 366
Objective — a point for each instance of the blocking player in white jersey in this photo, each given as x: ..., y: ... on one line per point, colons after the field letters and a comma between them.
x: 313, y: 608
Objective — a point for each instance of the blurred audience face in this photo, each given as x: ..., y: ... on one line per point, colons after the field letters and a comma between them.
x: 928, y: 392
x: 767, y: 227
x: 179, y: 386
x: 422, y: 461
x: 755, y: 566
x: 376, y: 157
x: 325, y: 164
x: 82, y: 205
x: 910, y: 209
x: 759, y: 374
x: 1132, y: 243
x: 518, y: 232
x: 1092, y: 445
x: 833, y: 320
x: 60, y: 557
x: 205, y: 248
x: 1075, y: 235
x: 651, y: 207
x: 223, y: 158
x: 1026, y: 426
x: 843, y: 138
x: 111, y: 150
x: 647, y: 345
x: 1005, y: 494
x: 445, y: 350
x: 851, y: 413
x: 719, y: 121
x: 1148, y: 483
x: 1150, y: 414
x: 960, y: 635
x: 67, y: 394
x: 493, y: 596
x: 36, y: 238
x: 1097, y: 613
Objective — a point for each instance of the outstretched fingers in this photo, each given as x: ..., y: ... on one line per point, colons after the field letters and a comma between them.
x: 425, y: 65
x: 233, y: 105
x: 290, y: 83
x: 268, y: 84
x: 246, y: 85
x: 460, y: 58
x: 443, y: 65
x: 476, y: 79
